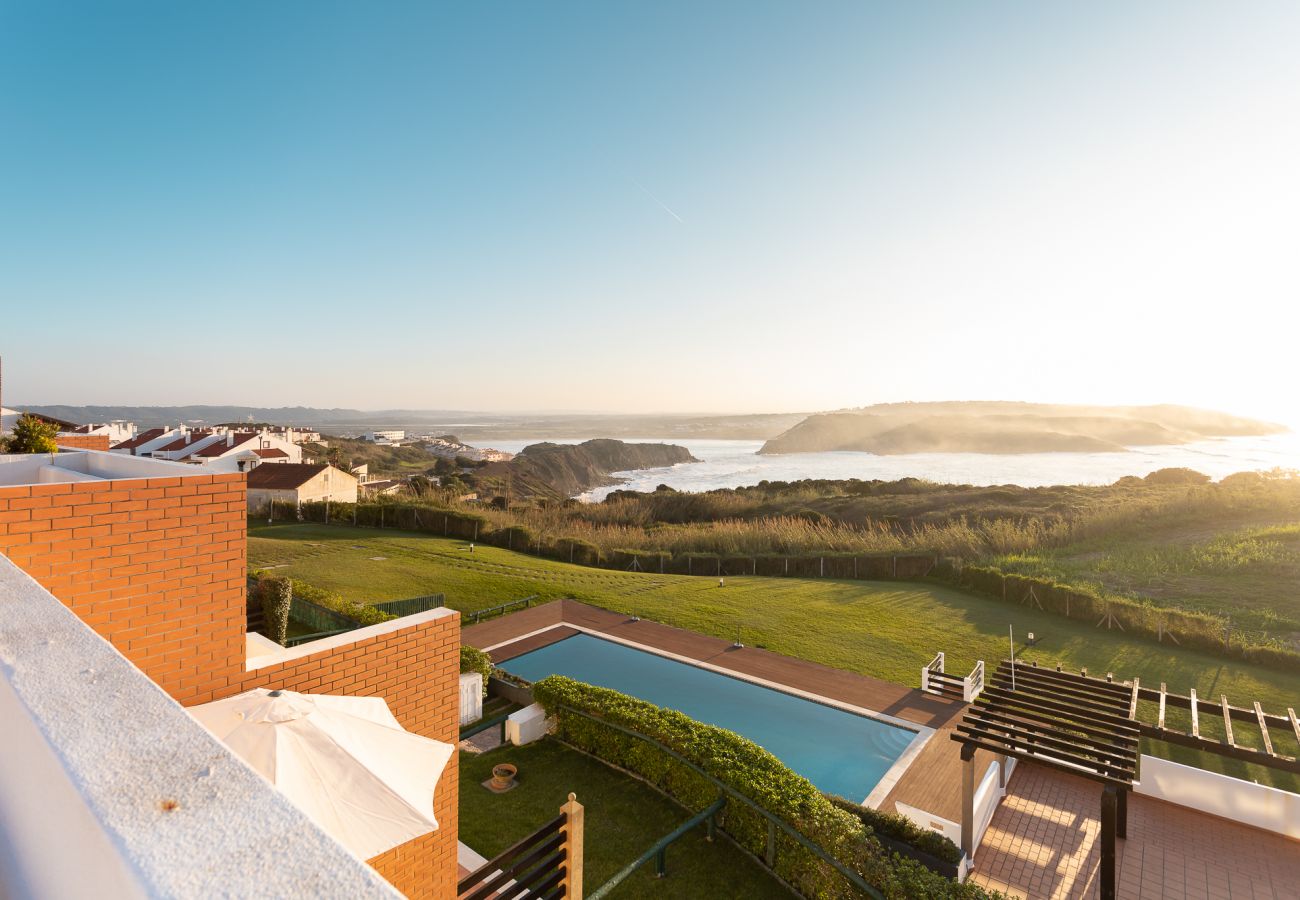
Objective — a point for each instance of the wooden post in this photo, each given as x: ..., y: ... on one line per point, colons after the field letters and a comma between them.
x: 1109, y: 802
x: 572, y: 848
x: 1121, y: 814
x: 968, y: 800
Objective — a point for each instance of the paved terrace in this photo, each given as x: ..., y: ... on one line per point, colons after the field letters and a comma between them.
x: 1044, y: 842
x: 930, y: 783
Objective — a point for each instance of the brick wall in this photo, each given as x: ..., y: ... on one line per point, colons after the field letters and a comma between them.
x: 155, y: 565
x: 82, y: 441
x: 158, y: 565
x: 417, y: 670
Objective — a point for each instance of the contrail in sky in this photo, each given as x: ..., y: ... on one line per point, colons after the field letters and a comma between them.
x: 662, y: 205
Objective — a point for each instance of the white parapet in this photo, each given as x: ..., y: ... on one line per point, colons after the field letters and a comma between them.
x: 1220, y: 795
x: 526, y: 725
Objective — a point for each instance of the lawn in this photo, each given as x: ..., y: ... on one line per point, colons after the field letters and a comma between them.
x: 885, y: 629
x: 623, y: 819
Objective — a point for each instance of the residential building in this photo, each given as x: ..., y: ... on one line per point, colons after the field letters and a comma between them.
x: 295, y: 483
x: 379, y: 486
x: 122, y: 581
x: 218, y: 448
x: 385, y: 437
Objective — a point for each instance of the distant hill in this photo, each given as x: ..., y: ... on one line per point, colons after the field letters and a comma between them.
x: 472, y: 427
x: 1004, y: 427
x: 564, y: 470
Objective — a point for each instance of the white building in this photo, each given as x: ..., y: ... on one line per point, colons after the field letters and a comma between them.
x: 385, y: 437
x: 221, y: 449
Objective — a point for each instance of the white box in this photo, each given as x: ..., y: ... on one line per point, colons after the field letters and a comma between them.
x: 526, y: 725
x: 471, y: 697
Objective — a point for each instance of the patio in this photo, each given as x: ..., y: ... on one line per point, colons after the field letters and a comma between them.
x: 1044, y: 842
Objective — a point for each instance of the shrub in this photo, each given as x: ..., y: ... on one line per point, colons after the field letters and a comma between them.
x: 751, y: 771
x: 1178, y: 475
x: 33, y: 435
x: 277, y: 594
x: 901, y: 828
x: 360, y: 613
x: 473, y: 659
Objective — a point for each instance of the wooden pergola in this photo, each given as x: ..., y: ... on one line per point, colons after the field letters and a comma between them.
x: 1059, y: 720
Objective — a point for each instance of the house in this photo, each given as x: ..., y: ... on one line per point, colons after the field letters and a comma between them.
x: 385, y: 437
x: 110, y: 622
x: 380, y: 486
x: 297, y: 483
x: 220, y: 448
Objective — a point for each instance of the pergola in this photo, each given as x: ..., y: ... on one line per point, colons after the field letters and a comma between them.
x: 1063, y: 721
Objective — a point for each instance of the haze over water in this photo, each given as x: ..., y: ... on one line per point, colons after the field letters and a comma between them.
x: 726, y: 464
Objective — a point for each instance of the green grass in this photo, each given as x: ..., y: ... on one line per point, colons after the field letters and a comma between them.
x: 623, y: 818
x: 1248, y: 573
x: 887, y: 630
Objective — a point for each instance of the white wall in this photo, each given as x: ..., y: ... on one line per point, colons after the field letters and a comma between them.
x: 988, y: 796
x: 1220, y: 795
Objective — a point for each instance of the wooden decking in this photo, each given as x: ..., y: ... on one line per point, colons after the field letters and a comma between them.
x: 931, y: 783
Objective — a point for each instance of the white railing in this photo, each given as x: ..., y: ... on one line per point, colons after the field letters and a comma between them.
x: 934, y: 665
x: 973, y: 684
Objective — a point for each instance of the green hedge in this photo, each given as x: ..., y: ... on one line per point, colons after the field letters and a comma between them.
x: 751, y: 771
x: 276, y: 593
x: 357, y: 612
x: 901, y: 828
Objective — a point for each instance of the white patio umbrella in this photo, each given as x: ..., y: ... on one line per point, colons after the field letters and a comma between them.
x: 344, y: 761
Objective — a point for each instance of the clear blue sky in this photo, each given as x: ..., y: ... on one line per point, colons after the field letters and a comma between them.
x: 654, y: 206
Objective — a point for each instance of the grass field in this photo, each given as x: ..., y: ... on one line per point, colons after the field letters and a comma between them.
x: 1249, y: 572
x: 884, y: 629
x: 623, y: 819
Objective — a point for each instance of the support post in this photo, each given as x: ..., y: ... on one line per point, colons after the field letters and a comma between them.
x: 1121, y: 815
x: 573, y: 816
x: 771, y: 844
x: 1002, y: 771
x: 1109, y: 802
x: 661, y: 862
x: 968, y: 800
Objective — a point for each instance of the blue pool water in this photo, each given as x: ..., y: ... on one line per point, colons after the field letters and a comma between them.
x: 840, y: 752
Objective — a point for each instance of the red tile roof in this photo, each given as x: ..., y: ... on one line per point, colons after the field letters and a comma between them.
x: 283, y: 476
x: 271, y: 453
x: 182, y: 442
x: 222, y: 447
x: 142, y: 438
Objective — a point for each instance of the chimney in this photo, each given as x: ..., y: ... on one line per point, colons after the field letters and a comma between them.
x: 230, y: 439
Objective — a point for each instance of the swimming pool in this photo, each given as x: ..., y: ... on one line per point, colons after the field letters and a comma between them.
x: 839, y: 751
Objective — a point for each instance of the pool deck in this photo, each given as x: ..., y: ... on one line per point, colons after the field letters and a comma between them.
x: 931, y: 782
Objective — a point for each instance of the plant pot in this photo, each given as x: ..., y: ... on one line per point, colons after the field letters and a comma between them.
x: 503, y: 777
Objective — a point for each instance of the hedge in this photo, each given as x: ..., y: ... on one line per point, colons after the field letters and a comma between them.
x: 1191, y: 629
x: 751, y: 771
x: 357, y: 612
x: 276, y: 593
x: 901, y: 828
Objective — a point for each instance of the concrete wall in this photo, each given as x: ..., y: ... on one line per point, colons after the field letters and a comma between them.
x: 1220, y: 795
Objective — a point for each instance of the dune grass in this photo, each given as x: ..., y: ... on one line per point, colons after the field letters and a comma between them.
x: 888, y: 630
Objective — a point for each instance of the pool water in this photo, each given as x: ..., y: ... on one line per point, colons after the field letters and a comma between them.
x: 838, y: 751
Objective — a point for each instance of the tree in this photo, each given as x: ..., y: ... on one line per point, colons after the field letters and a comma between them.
x: 33, y: 435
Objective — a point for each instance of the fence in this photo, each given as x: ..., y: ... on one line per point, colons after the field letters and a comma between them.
x: 547, y: 863
x: 412, y: 605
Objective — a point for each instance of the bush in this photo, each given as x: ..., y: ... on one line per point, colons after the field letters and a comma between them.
x: 901, y: 828
x: 473, y: 659
x: 360, y: 613
x: 1178, y: 475
x: 33, y: 435
x: 751, y: 771
x: 277, y: 595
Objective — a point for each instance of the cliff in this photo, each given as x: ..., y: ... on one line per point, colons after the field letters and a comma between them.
x: 565, y: 470
x: 900, y: 428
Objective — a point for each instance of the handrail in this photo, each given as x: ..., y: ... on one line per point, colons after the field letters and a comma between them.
x: 854, y: 878
x: 659, y: 847
x: 491, y: 610
x: 507, y: 862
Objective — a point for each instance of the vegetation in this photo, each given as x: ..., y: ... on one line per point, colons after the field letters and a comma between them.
x: 623, y: 817
x: 752, y: 772
x: 33, y: 435
x: 357, y: 611
x: 883, y: 629
x: 901, y: 828
x: 277, y: 596
x: 474, y: 660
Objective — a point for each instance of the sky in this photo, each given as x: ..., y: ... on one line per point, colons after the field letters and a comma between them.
x: 650, y: 207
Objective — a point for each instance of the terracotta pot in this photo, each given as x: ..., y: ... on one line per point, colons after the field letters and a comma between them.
x: 503, y: 776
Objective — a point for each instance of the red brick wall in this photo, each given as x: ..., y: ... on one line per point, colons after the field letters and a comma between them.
x: 155, y: 565
x: 82, y: 441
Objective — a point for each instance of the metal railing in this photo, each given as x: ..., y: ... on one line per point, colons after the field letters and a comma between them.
x: 501, y: 608
x: 774, y: 822
x: 659, y: 852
